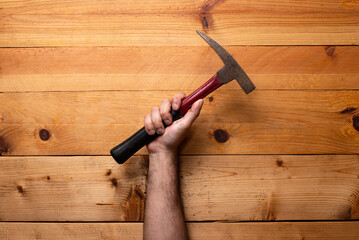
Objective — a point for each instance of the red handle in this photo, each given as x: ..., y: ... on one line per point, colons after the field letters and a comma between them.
x: 212, y: 84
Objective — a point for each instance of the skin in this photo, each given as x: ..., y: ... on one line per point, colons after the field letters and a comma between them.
x: 163, y: 213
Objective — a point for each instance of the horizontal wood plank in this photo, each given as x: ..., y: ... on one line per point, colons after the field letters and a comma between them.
x: 207, y: 231
x: 262, y: 122
x: 121, y: 23
x: 174, y: 68
x: 112, y: 7
x: 233, y: 188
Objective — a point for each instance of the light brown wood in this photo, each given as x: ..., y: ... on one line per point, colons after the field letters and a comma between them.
x: 262, y: 122
x: 174, y: 68
x: 121, y: 23
x: 206, y: 231
x: 255, y: 7
x: 77, y: 77
x: 234, y: 188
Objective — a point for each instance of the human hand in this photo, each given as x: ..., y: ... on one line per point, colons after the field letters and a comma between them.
x: 171, y: 136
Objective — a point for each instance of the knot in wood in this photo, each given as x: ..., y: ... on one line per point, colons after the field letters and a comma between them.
x: 221, y: 135
x: 44, y: 134
x: 356, y: 122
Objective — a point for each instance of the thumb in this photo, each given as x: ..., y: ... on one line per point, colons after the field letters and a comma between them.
x: 193, y: 113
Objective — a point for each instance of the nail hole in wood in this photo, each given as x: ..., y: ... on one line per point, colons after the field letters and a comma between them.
x: 279, y: 162
x: 330, y: 50
x: 20, y: 189
x: 114, y: 182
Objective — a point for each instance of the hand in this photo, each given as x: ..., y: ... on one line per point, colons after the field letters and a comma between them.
x: 172, y: 136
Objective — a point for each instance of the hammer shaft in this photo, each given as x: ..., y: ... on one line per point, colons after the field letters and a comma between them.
x: 126, y: 149
x: 212, y: 84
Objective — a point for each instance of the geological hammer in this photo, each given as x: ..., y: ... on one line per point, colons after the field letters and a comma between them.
x: 231, y: 70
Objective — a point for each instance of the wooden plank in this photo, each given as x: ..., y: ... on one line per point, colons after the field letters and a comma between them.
x: 257, y: 188
x: 174, y: 68
x: 256, y: 7
x: 263, y: 122
x: 118, y: 23
x: 207, y: 231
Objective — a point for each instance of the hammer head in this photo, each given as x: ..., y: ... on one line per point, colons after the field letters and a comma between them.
x: 231, y: 69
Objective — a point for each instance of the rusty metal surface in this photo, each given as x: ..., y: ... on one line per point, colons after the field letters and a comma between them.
x: 231, y: 69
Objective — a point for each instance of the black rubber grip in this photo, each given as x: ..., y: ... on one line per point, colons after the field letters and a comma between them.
x: 130, y: 146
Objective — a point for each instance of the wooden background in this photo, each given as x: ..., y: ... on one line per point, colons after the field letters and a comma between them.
x: 77, y: 77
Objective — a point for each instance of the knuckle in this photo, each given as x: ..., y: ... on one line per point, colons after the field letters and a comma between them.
x: 175, y: 99
x: 163, y: 115
x: 156, y: 120
x: 146, y: 119
x: 148, y: 126
x: 162, y: 110
x: 181, y: 94
x: 158, y: 125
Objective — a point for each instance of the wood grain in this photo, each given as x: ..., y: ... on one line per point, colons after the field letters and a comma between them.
x: 174, y: 68
x: 207, y: 231
x: 255, y: 7
x: 263, y: 122
x: 257, y: 188
x: 118, y: 23
x: 77, y: 77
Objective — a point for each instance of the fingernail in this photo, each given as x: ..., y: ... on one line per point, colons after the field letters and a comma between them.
x: 168, y: 122
x: 160, y: 131
x: 152, y: 132
x: 201, y: 102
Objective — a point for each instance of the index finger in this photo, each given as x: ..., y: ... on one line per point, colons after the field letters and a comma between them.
x: 176, y: 100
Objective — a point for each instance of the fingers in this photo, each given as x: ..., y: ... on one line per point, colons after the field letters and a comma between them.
x: 153, y: 121
x: 157, y: 120
x: 176, y: 100
x: 165, y: 111
x: 193, y: 113
x: 150, y: 129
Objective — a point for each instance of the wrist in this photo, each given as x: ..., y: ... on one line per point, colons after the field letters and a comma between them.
x: 162, y: 151
x: 164, y: 154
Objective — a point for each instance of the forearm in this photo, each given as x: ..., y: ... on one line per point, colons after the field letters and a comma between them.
x: 163, y: 212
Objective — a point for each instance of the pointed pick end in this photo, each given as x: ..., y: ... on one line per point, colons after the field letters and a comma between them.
x: 201, y: 34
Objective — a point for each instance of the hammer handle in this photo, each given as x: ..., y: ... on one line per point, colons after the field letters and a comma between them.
x: 126, y: 149
x: 212, y: 84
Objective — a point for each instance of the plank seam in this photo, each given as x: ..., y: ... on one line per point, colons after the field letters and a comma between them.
x: 258, y: 90
x: 205, y: 221
x: 274, y: 154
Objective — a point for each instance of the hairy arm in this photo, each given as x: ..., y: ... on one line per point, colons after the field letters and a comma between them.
x: 163, y: 213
